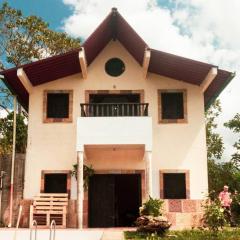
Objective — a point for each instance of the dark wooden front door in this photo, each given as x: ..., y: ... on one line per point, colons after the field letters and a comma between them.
x: 101, y: 201
x: 114, y: 199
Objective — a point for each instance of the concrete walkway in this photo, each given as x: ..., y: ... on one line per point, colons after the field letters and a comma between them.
x: 61, y: 234
x: 67, y: 234
x: 113, y: 235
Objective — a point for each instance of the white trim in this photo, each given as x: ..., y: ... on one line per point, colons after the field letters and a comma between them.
x: 83, y: 62
x: 148, y: 167
x: 24, y: 80
x: 80, y: 188
x: 146, y: 61
x: 209, y: 78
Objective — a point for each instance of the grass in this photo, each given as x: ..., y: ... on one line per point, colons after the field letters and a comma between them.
x: 227, y: 234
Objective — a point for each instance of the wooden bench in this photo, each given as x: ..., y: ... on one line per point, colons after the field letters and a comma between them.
x: 47, y: 207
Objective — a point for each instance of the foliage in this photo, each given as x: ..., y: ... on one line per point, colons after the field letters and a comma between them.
x: 187, y: 235
x: 220, y: 174
x: 235, y: 208
x: 141, y: 235
x: 6, y: 98
x: 234, y: 124
x: 88, y: 171
x: 214, y: 216
x: 152, y: 207
x: 6, y: 133
x: 27, y: 39
x: 214, y: 140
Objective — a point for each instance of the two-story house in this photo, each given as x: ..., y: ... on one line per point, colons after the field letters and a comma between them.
x: 134, y: 113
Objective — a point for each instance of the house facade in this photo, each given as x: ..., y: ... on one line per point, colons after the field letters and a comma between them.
x: 133, y: 114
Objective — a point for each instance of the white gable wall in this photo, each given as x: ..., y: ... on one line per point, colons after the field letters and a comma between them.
x: 52, y: 146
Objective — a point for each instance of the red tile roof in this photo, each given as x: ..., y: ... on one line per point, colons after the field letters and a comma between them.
x: 114, y: 27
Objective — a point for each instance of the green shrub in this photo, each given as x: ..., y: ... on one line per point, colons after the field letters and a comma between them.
x: 235, y: 208
x: 214, y: 216
x: 226, y: 234
x: 152, y: 207
x: 88, y: 171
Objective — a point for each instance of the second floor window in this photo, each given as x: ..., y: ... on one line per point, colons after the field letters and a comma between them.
x: 57, y: 106
x: 172, y: 106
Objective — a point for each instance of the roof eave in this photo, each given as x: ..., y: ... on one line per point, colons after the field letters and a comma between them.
x: 215, y: 96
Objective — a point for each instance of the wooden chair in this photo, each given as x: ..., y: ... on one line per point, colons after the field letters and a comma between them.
x: 47, y: 207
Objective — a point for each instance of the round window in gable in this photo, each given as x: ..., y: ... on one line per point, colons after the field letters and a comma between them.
x: 114, y: 67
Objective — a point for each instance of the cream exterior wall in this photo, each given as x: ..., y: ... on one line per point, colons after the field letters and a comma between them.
x: 52, y: 146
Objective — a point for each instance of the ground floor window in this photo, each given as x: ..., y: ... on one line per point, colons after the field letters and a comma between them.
x: 55, y: 182
x: 174, y: 184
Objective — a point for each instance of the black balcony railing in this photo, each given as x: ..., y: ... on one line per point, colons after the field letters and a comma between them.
x: 114, y: 109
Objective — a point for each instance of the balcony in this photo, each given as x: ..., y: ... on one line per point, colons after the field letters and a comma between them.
x: 114, y: 109
x: 114, y: 123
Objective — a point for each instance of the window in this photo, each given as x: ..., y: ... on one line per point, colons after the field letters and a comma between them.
x: 174, y: 184
x: 114, y: 67
x: 58, y: 106
x: 56, y: 181
x: 172, y: 106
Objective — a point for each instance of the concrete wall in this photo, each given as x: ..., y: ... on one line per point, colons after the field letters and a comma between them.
x: 5, y: 165
x: 52, y: 146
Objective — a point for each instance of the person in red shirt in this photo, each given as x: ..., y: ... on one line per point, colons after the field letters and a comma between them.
x: 226, y: 200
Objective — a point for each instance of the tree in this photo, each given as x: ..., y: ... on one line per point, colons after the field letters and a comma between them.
x: 215, y: 145
x: 23, y: 40
x: 221, y: 173
x: 6, y: 133
x: 234, y: 124
x: 26, y: 39
x: 5, y: 98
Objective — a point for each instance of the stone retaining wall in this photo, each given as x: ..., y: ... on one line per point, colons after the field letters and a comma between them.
x: 184, y: 213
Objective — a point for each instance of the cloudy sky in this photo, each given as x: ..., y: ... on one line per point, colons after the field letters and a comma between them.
x: 206, y: 30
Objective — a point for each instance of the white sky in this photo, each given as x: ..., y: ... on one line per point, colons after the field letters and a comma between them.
x: 3, y: 113
x: 206, y: 30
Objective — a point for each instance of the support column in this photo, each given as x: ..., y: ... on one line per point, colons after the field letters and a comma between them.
x: 148, y: 175
x: 13, y: 161
x: 80, y: 189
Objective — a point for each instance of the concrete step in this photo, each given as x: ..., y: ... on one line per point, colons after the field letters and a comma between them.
x: 112, y: 235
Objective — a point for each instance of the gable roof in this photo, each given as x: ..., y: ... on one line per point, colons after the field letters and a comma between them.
x: 114, y: 26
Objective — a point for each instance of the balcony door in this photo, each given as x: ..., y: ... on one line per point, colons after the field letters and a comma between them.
x: 114, y: 98
x: 114, y: 104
